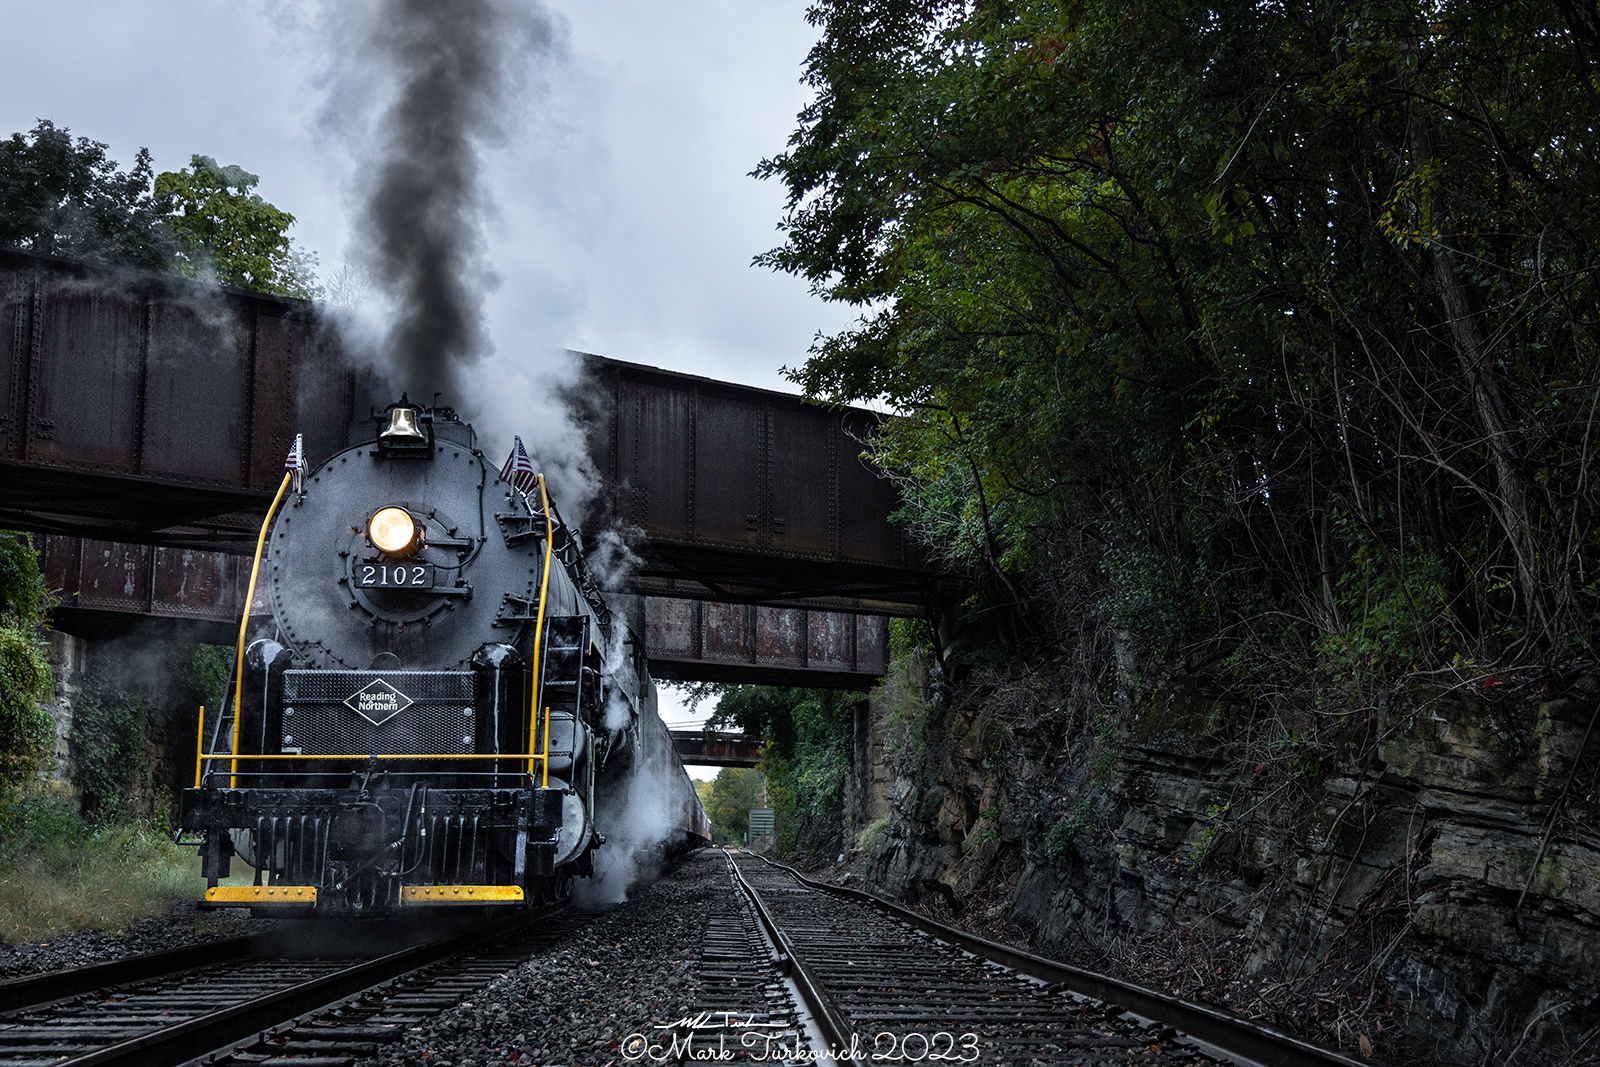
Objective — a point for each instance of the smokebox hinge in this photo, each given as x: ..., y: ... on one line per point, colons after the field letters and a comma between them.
x: 518, y: 528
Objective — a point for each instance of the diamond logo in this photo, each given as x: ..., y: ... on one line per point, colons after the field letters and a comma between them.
x: 378, y: 701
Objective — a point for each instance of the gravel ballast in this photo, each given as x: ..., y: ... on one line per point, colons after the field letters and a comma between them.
x: 622, y: 972
x: 181, y: 925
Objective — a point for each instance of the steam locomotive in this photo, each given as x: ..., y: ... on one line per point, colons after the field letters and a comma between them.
x: 448, y: 711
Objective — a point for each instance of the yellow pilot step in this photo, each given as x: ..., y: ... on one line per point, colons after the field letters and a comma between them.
x: 459, y: 894
x: 262, y: 894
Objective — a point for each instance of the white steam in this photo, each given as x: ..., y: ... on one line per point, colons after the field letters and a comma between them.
x: 641, y: 816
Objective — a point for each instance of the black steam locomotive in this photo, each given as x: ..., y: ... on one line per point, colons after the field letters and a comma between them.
x: 445, y: 701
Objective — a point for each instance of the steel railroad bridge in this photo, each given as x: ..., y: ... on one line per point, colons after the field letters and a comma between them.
x: 144, y: 420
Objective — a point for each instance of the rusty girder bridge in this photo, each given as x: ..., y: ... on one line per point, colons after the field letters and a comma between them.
x: 144, y: 420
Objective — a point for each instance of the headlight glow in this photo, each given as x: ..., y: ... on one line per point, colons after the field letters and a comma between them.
x: 392, y: 530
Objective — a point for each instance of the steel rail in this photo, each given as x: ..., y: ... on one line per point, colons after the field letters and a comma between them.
x: 32, y: 991
x: 836, y: 1029
x: 1240, y: 1037
x: 205, y: 1033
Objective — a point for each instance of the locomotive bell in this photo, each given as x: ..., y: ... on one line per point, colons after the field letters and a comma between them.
x: 402, y: 428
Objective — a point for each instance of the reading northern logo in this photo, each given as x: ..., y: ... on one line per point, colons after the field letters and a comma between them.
x: 378, y: 701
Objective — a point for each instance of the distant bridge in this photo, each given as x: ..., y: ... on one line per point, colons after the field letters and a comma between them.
x: 709, y: 748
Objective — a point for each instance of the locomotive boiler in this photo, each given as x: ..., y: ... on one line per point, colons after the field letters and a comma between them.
x: 443, y: 695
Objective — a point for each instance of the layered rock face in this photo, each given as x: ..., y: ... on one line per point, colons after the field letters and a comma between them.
x: 1420, y: 877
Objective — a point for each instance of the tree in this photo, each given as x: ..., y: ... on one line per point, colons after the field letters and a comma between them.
x: 732, y: 794
x: 1270, y: 327
x: 228, y: 232
x: 64, y: 197
x: 61, y: 197
x: 805, y: 754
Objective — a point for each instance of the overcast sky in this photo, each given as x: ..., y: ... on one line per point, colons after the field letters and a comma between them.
x: 625, y: 220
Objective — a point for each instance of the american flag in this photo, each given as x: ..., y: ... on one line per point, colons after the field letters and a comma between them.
x: 296, y: 463
x: 518, y: 471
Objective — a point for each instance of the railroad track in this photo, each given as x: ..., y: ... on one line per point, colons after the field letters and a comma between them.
x: 884, y: 984
x: 244, y: 1002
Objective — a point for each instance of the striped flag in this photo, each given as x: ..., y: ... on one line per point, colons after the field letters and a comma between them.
x: 518, y: 471
x: 296, y: 463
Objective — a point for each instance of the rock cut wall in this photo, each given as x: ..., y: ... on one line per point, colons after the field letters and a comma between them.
x: 1355, y: 875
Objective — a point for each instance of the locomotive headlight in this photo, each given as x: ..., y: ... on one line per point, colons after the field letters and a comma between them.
x: 393, y: 531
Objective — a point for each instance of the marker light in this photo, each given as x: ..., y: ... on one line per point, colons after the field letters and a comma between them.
x: 393, y: 530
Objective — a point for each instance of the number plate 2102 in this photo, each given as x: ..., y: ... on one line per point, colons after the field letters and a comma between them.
x: 394, y: 575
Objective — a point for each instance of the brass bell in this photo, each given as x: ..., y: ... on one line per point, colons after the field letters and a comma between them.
x: 402, y: 428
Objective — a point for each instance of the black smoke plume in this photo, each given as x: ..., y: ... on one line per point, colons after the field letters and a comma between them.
x: 456, y: 67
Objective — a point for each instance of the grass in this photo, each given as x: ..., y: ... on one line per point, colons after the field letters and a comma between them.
x: 870, y: 833
x: 59, y: 875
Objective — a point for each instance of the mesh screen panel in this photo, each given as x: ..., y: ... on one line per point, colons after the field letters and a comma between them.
x: 318, y: 721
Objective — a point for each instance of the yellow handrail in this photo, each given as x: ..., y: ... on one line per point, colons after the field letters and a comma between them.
x: 546, y: 754
x: 248, y: 756
x: 538, y: 633
x: 244, y: 622
x: 544, y: 757
x: 199, y: 746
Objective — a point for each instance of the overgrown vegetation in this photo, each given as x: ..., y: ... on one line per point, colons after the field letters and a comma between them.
x: 1258, y: 338
x: 728, y: 799
x: 66, y: 197
x: 806, y: 758
x: 108, y: 749
x: 60, y: 874
x: 26, y: 729
x: 141, y: 693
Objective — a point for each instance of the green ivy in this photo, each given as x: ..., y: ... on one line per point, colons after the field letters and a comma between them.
x: 25, y: 724
x: 108, y: 746
x: 25, y: 682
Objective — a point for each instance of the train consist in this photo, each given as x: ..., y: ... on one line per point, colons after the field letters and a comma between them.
x: 448, y: 712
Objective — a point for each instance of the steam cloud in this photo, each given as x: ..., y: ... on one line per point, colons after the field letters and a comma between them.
x: 641, y: 814
x: 455, y: 69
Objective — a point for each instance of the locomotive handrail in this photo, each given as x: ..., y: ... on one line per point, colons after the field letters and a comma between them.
x: 245, y: 757
x: 538, y: 636
x: 200, y: 746
x: 244, y: 619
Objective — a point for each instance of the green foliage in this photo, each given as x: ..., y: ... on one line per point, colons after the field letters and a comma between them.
x: 871, y: 832
x: 59, y: 873
x: 207, y: 673
x: 26, y: 728
x: 728, y: 799
x: 62, y: 197
x: 24, y: 598
x: 807, y: 753
x: 1058, y: 839
x: 227, y: 232
x: 1201, y: 848
x: 1162, y: 295
x: 108, y: 747
x: 1395, y: 603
